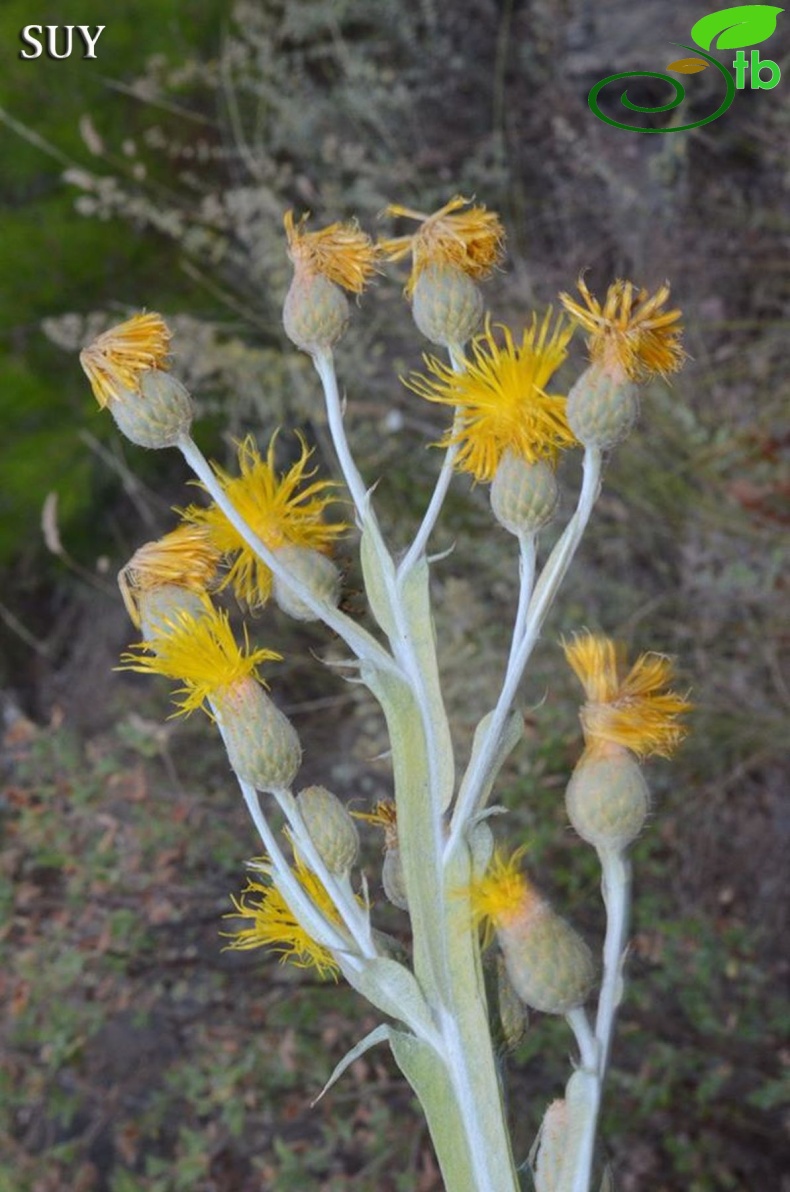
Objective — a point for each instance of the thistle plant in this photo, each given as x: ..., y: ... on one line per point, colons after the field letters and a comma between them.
x: 475, y: 919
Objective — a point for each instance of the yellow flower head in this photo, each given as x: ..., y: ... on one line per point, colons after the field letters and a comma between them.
x: 342, y: 253
x: 203, y: 654
x: 472, y: 240
x: 629, y: 333
x: 283, y: 511
x: 274, y: 925
x: 501, y: 399
x: 186, y: 558
x: 118, y: 357
x: 503, y: 895
x: 384, y: 816
x: 631, y: 708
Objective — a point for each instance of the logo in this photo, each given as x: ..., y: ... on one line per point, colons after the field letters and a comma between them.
x: 58, y: 47
x: 730, y: 29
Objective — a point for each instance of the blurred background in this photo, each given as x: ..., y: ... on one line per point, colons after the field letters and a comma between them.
x: 137, y: 1055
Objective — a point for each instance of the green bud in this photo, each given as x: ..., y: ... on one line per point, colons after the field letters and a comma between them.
x: 160, y: 605
x: 331, y: 828
x: 316, y: 312
x: 549, y: 964
x: 607, y: 799
x: 392, y: 879
x: 158, y: 415
x: 262, y: 744
x: 513, y: 1015
x: 602, y: 407
x: 316, y: 572
x: 447, y: 306
x: 524, y: 496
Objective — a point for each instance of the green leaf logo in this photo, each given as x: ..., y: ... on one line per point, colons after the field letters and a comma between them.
x: 744, y: 25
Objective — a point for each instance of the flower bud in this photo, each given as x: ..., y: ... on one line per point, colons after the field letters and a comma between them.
x: 549, y: 964
x: 513, y: 1016
x: 262, y: 744
x: 160, y: 606
x: 607, y: 799
x: 315, y: 571
x: 602, y: 407
x: 552, y: 1144
x: 392, y: 879
x: 158, y: 415
x: 524, y: 496
x: 316, y: 312
x: 447, y: 306
x: 331, y: 828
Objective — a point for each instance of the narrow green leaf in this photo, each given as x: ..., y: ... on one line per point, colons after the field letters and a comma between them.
x: 378, y: 574
x: 734, y: 28
x: 379, y: 1034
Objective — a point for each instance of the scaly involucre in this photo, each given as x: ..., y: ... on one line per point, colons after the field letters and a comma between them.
x: 629, y: 707
x: 500, y: 397
x: 281, y: 510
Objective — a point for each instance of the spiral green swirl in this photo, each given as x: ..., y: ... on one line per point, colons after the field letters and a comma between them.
x: 680, y: 95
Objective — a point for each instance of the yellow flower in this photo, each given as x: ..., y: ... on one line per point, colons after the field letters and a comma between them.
x: 384, y: 815
x: 503, y: 894
x: 117, y: 359
x: 282, y: 512
x: 274, y: 924
x: 342, y: 253
x: 501, y: 400
x: 629, y: 333
x: 202, y: 653
x: 472, y: 241
x: 624, y: 707
x: 185, y: 558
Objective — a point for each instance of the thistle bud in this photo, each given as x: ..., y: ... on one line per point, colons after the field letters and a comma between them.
x: 607, y: 799
x: 160, y: 606
x: 392, y: 879
x: 513, y: 1016
x: 315, y: 571
x: 549, y: 964
x: 552, y: 1147
x: 159, y: 414
x: 447, y: 306
x: 602, y: 407
x: 331, y: 828
x: 316, y: 312
x: 524, y: 495
x: 262, y: 744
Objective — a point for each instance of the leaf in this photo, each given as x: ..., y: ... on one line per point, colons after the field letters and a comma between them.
x: 744, y: 25
x: 379, y: 1034
x: 393, y: 988
x: 688, y: 65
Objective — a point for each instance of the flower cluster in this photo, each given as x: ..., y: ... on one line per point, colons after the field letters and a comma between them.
x: 269, y: 533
